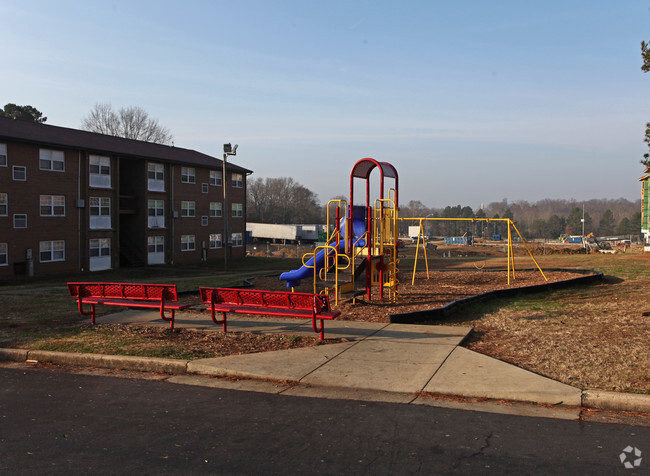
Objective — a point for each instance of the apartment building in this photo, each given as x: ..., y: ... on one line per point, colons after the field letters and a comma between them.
x: 73, y: 200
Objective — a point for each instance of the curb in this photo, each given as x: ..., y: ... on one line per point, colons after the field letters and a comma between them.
x: 596, y: 399
x: 124, y: 362
x: 601, y: 400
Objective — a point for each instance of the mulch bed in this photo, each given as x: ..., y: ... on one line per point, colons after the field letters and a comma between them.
x: 440, y: 289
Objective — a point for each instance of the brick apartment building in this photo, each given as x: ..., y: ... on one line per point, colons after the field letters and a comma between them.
x: 73, y: 200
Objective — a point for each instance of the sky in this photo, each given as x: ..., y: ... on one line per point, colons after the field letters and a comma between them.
x: 471, y: 101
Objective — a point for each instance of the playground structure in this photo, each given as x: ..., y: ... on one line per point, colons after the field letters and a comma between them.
x: 361, y: 245
x: 362, y: 241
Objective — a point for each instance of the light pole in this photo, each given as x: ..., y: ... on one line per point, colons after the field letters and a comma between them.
x: 227, y: 150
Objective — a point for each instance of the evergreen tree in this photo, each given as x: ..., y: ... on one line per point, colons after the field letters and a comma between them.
x: 607, y: 223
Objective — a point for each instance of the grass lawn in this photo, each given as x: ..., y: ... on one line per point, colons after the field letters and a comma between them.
x: 595, y: 336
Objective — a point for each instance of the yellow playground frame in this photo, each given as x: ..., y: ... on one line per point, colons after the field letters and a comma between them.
x: 511, y: 256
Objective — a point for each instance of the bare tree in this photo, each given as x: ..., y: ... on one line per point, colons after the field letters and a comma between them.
x: 131, y: 122
x: 281, y: 200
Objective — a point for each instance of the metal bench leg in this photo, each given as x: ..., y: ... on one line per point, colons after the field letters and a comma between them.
x: 165, y: 318
x: 223, y: 321
x: 320, y: 330
x: 85, y: 313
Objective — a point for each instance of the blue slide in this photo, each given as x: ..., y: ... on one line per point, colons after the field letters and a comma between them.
x: 307, y: 270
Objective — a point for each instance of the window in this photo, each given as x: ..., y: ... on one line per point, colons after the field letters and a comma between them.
x: 4, y: 255
x: 204, y: 220
x: 215, y: 178
x: 156, y: 177
x: 100, y: 171
x: 52, y: 205
x: 187, y: 243
x: 215, y: 240
x: 156, y: 213
x: 3, y: 155
x: 215, y: 209
x: 4, y: 202
x: 187, y: 175
x: 236, y: 240
x: 20, y: 220
x: 100, y: 212
x: 51, y: 160
x: 204, y: 187
x: 237, y: 210
x: 237, y: 180
x: 100, y: 254
x: 188, y: 209
x: 19, y: 173
x: 52, y: 250
x: 156, y: 250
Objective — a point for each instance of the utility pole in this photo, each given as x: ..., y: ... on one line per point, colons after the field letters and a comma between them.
x: 227, y: 150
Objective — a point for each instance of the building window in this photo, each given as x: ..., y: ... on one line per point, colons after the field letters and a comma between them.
x: 237, y: 240
x: 156, y: 177
x: 156, y: 250
x: 52, y: 205
x: 215, y: 240
x: 4, y: 255
x: 4, y: 204
x: 215, y: 178
x: 237, y: 180
x: 237, y: 210
x: 19, y: 173
x: 188, y: 209
x: 100, y: 254
x: 100, y: 212
x: 187, y: 243
x: 53, y: 160
x: 204, y: 187
x: 20, y: 220
x: 156, y: 213
x: 3, y: 155
x: 52, y: 250
x: 215, y: 209
x: 187, y: 175
x: 100, y: 171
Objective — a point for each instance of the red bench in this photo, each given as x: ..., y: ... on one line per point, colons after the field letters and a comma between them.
x: 268, y: 303
x: 152, y: 296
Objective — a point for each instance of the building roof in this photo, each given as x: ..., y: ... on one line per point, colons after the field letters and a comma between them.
x: 55, y: 136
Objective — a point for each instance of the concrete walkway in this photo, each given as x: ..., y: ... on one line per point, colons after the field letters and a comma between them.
x: 377, y: 357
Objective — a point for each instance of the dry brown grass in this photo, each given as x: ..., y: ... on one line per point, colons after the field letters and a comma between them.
x: 592, y: 336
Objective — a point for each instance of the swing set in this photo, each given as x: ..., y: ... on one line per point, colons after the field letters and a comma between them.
x: 510, y: 250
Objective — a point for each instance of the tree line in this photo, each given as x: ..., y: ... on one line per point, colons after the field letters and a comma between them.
x: 548, y: 218
x: 284, y: 201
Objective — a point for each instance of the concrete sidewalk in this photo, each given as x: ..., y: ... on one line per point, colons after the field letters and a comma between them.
x: 400, y: 363
x: 400, y: 358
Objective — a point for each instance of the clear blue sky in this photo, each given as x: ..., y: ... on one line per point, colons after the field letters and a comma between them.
x: 471, y: 101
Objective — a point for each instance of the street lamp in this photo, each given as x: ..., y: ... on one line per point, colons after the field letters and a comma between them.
x: 227, y: 150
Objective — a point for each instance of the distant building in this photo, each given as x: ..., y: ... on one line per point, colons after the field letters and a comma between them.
x: 73, y: 200
x: 287, y: 233
x: 645, y: 211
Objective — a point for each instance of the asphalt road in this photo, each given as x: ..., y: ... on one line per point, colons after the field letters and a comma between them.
x: 53, y: 422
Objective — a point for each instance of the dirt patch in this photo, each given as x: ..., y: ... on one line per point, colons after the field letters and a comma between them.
x: 153, y: 341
